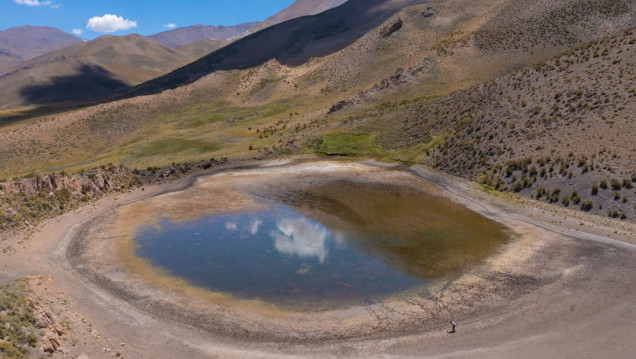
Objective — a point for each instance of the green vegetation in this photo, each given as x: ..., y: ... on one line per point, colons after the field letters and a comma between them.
x: 33, y: 208
x: 176, y: 146
x: 347, y: 144
x: 16, y: 332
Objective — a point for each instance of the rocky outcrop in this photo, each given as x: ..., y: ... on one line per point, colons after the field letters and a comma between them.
x: 44, y: 319
x: 94, y: 182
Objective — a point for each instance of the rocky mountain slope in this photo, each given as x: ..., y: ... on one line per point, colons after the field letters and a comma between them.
x: 431, y: 83
x: 298, y: 9
x: 292, y: 43
x: 191, y: 34
x: 27, y: 42
x: 87, y: 70
x: 561, y: 131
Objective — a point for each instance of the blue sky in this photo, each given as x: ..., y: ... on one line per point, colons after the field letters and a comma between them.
x: 144, y: 17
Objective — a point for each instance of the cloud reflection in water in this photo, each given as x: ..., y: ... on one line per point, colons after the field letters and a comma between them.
x: 301, y: 237
x: 254, y: 225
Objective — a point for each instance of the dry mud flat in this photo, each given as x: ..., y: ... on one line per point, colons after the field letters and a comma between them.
x: 544, y: 294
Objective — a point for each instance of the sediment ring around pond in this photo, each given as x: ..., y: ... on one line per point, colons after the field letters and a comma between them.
x: 311, y: 251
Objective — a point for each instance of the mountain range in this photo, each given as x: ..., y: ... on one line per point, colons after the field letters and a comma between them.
x: 27, y: 42
x: 188, y: 35
x: 39, y: 66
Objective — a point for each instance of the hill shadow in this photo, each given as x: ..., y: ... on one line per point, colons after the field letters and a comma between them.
x: 291, y: 43
x: 89, y: 82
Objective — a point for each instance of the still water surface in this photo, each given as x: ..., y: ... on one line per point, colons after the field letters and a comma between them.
x: 335, y: 244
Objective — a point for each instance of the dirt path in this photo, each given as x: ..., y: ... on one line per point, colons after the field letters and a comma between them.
x: 584, y: 306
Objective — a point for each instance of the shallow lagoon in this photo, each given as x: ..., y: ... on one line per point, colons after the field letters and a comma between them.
x: 336, y: 243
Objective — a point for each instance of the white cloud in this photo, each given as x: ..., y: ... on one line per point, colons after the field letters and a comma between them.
x: 170, y: 26
x: 77, y: 31
x: 109, y: 23
x: 38, y: 3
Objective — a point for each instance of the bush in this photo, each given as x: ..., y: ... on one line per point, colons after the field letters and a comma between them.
x: 616, y: 184
x: 617, y: 195
x: 587, y: 206
x: 604, y: 184
x: 627, y: 183
x: 594, y: 189
x: 554, y: 197
x: 566, y: 201
x: 540, y: 192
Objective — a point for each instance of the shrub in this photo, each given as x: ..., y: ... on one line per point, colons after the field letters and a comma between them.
x: 540, y: 192
x: 566, y: 201
x: 604, y: 184
x: 587, y: 205
x: 575, y: 197
x: 616, y: 184
x: 594, y: 189
x: 617, y: 195
x: 556, y: 193
x: 627, y: 183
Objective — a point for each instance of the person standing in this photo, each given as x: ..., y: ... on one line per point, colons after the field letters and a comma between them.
x: 453, y: 328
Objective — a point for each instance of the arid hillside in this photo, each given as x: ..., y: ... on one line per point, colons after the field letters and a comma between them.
x: 291, y: 43
x: 27, y: 42
x: 87, y: 70
x: 453, y: 84
x: 202, y: 48
x: 191, y: 34
x: 561, y: 131
x: 298, y: 9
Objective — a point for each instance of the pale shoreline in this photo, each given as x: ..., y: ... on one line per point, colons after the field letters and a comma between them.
x: 543, y: 318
